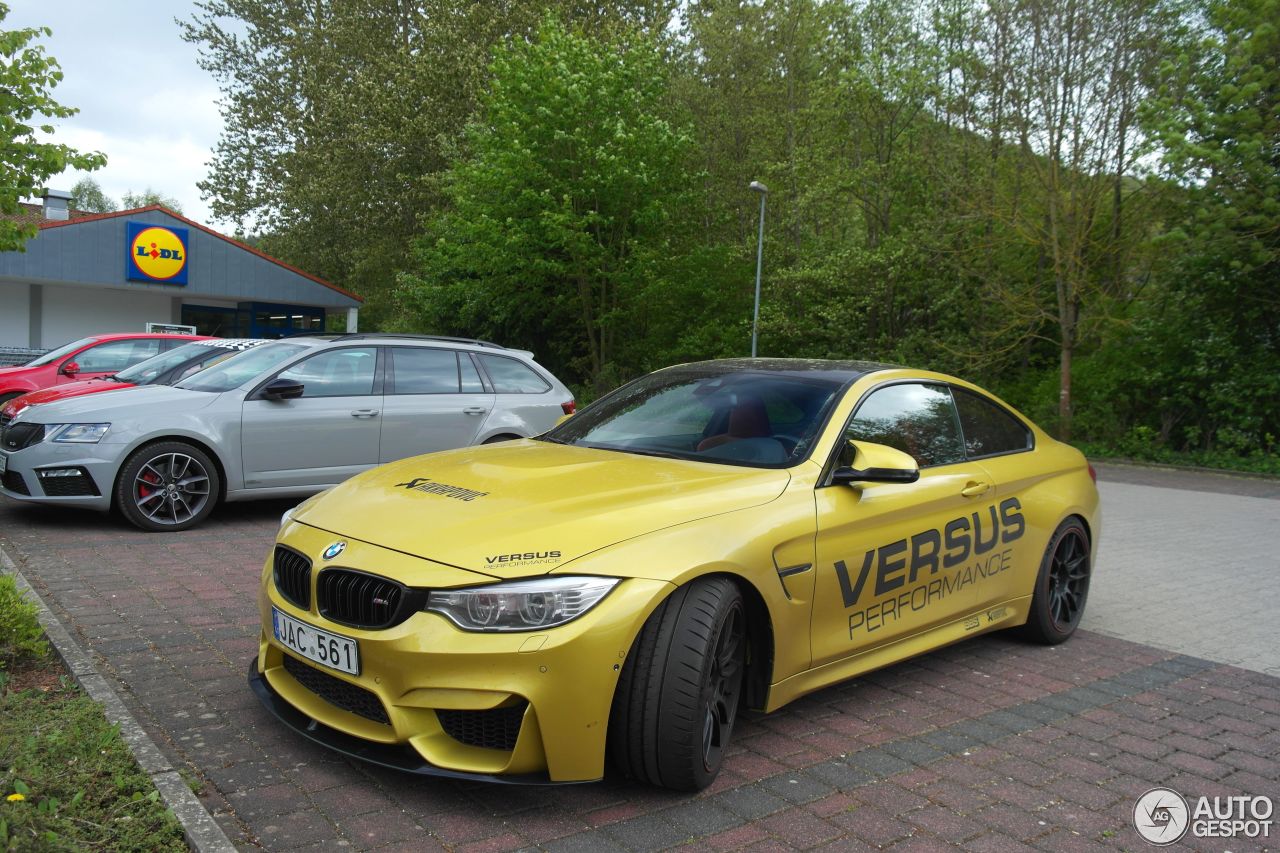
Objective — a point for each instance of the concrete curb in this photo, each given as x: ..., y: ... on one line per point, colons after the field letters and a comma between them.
x: 202, y: 832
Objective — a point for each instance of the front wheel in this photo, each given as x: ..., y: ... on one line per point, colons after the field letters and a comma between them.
x: 677, y: 697
x: 167, y: 486
x: 1062, y: 585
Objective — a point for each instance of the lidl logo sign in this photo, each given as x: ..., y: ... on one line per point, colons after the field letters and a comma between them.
x: 156, y: 254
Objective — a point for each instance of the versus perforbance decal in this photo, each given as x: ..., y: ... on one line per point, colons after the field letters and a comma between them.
x: 431, y: 487
x: 524, y: 558
x: 922, y: 555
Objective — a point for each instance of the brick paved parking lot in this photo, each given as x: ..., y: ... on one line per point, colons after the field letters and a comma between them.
x: 992, y: 744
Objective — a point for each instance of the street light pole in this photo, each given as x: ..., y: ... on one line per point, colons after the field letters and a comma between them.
x: 755, y: 320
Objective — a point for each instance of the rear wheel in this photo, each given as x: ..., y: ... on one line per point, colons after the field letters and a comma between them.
x: 677, y: 697
x: 1062, y: 585
x: 171, y: 485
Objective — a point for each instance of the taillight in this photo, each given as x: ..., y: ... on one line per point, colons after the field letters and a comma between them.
x: 1092, y: 473
x: 570, y: 407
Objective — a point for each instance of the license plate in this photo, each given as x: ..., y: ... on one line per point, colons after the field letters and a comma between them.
x: 332, y: 650
x: 4, y: 463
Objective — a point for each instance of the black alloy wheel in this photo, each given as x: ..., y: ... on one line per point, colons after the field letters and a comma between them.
x: 678, y: 692
x: 1062, y: 586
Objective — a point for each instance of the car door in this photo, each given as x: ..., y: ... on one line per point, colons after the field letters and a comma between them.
x: 1000, y: 443
x: 325, y: 436
x: 108, y: 358
x: 898, y: 559
x: 434, y: 400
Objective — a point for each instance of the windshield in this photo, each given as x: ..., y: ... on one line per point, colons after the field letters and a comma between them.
x: 145, y: 372
x: 54, y: 355
x: 241, y: 368
x: 761, y: 420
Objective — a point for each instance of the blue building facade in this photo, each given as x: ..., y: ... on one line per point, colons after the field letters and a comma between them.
x: 117, y: 272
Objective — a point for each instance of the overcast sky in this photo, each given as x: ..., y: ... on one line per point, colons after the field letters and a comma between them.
x: 143, y: 100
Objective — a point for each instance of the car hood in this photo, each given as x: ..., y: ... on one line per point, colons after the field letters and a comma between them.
x: 528, y: 507
x: 64, y: 392
x: 142, y: 401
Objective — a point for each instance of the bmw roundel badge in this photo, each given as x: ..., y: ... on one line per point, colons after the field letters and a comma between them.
x: 335, y: 549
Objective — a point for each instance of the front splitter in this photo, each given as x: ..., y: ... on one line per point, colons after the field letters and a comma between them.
x: 401, y: 758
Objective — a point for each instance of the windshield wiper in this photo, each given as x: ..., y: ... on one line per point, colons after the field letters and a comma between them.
x: 638, y: 451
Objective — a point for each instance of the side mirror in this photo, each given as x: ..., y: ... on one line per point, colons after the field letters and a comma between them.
x: 879, y: 464
x: 282, y: 389
x: 70, y: 369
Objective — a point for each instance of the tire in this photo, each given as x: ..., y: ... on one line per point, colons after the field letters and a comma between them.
x: 1062, y: 586
x: 167, y: 486
x: 677, y: 698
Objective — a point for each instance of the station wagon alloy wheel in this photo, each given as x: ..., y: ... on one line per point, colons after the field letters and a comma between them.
x: 167, y: 486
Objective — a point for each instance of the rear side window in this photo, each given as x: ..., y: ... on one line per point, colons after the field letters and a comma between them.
x: 988, y: 429
x: 420, y: 370
x: 513, y: 377
x: 917, y: 419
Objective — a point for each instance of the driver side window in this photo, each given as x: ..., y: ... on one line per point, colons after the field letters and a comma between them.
x: 336, y: 373
x: 916, y: 418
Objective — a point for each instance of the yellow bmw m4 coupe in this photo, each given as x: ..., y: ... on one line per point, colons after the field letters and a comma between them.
x: 710, y: 537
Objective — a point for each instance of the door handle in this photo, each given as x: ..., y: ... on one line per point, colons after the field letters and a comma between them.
x: 973, y: 489
x: 474, y: 410
x: 364, y: 413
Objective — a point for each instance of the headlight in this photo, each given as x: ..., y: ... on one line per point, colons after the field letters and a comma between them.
x: 75, y: 433
x: 522, y: 605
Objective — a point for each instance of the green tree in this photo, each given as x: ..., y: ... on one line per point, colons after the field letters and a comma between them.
x: 147, y: 198
x: 27, y: 77
x: 1216, y: 326
x: 341, y: 117
x: 87, y: 195
x: 573, y: 225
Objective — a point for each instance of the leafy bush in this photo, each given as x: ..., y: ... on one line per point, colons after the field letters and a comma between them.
x: 20, y: 633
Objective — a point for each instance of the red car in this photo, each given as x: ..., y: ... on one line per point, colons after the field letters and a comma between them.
x: 87, y: 358
x: 164, y: 369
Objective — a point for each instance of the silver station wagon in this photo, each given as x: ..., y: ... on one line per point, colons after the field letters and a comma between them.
x: 286, y: 419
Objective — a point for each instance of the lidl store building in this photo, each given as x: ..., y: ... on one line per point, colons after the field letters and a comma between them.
x: 86, y: 274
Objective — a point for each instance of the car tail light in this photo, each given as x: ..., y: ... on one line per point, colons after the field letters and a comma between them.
x: 1092, y: 473
x: 569, y: 407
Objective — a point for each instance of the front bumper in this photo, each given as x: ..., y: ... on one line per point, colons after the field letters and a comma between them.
x: 40, y: 474
x: 394, y: 757
x: 428, y: 692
